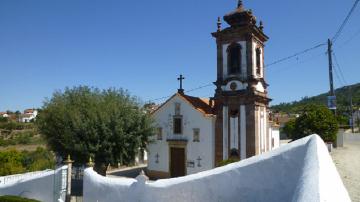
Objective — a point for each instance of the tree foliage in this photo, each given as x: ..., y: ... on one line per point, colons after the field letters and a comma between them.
x: 289, y: 128
x: 342, y: 101
x: 316, y: 119
x: 107, y: 125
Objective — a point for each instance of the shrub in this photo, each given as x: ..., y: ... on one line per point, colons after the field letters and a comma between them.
x: 228, y: 161
x: 40, y: 159
x: 15, y: 162
x: 316, y: 119
x: 3, y: 119
x: 11, y: 162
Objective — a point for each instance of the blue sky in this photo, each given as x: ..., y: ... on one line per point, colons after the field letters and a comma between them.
x: 143, y: 46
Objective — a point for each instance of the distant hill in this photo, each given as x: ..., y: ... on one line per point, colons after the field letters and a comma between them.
x: 342, y: 99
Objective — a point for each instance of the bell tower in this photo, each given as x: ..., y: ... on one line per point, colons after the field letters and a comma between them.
x: 241, y: 100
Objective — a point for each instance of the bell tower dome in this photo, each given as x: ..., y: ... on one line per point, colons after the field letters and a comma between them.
x: 240, y: 98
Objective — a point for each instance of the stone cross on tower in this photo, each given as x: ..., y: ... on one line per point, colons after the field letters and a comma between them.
x: 180, y: 79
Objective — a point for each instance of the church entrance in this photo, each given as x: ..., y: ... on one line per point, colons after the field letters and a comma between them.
x: 177, y: 162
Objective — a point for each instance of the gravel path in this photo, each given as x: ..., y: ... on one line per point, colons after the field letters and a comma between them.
x: 347, y: 161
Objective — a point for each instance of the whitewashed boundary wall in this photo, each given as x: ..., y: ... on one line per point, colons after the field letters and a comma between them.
x: 47, y: 186
x: 352, y: 136
x: 14, y: 178
x: 300, y: 171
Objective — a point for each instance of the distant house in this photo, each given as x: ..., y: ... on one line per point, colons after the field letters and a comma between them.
x: 4, y: 114
x: 29, y: 114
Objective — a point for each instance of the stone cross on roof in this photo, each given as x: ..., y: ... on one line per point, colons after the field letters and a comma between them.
x: 180, y: 79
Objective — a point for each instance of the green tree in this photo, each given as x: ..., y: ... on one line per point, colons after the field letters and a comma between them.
x: 108, y: 125
x: 316, y: 119
x: 289, y: 128
x: 3, y: 119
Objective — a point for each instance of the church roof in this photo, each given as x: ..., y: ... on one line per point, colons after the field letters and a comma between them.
x: 202, y: 105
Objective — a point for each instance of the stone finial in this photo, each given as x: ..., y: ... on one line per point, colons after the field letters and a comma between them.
x: 261, y: 27
x: 240, y: 4
x: 219, y: 24
x: 68, y: 160
x: 90, y: 163
x: 142, y: 178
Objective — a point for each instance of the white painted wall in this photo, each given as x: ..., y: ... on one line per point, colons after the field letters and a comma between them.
x: 225, y: 132
x: 44, y: 186
x: 307, y: 174
x: 254, y: 46
x: 234, y: 133
x: 239, y: 86
x: 192, y: 118
x: 275, y: 135
x: 243, y: 131
x: 259, y: 87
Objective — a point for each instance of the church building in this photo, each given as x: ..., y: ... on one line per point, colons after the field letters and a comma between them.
x: 195, y: 134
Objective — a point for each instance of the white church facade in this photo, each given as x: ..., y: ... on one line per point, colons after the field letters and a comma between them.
x: 196, y: 134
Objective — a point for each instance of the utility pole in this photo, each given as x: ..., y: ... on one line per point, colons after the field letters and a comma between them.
x: 332, y: 93
x: 331, y: 97
x: 351, y: 112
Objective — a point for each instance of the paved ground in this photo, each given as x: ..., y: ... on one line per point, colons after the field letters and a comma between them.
x: 347, y: 161
x: 130, y: 172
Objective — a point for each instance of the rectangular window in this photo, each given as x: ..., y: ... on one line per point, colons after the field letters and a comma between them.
x: 159, y: 133
x: 177, y: 125
x: 196, y: 137
x: 177, y: 108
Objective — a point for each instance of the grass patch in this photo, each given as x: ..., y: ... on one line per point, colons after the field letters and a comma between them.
x: 16, y: 199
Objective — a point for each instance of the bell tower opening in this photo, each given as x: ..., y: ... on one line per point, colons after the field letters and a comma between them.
x: 258, y: 61
x: 234, y: 59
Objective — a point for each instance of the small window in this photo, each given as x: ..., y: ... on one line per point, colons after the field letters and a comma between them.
x: 159, y: 133
x: 196, y: 137
x: 177, y: 108
x: 177, y: 125
x: 258, y: 61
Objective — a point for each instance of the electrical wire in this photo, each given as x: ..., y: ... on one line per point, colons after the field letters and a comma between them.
x: 295, y: 55
x: 338, y: 33
x: 339, y: 68
x: 271, y: 64
x: 194, y: 89
x: 350, y: 39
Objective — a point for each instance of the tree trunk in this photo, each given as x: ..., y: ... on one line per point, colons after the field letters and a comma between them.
x: 100, y: 169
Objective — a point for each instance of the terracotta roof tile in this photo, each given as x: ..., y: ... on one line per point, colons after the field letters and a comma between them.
x: 28, y: 111
x: 201, y: 104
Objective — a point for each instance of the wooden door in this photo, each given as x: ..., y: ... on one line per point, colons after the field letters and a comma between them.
x: 177, y: 162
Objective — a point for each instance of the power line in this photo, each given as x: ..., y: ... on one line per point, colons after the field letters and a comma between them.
x: 271, y: 64
x: 338, y: 77
x: 193, y: 89
x: 299, y: 63
x: 350, y: 39
x: 296, y: 54
x: 338, y: 33
x: 339, y: 68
